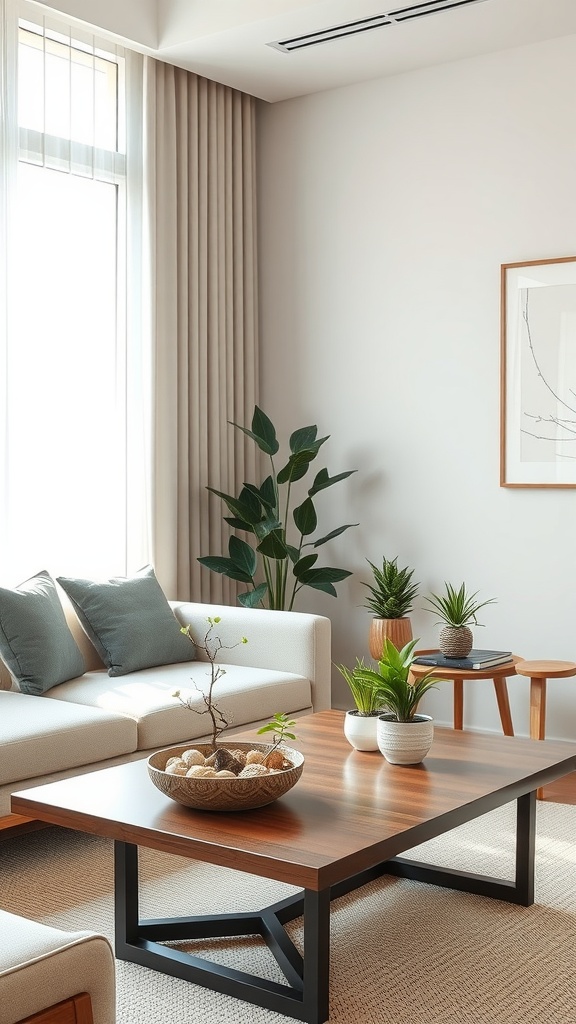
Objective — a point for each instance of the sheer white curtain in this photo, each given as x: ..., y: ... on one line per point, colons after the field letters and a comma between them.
x: 200, y: 184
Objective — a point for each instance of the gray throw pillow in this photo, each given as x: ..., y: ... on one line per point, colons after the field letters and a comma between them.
x: 129, y: 621
x: 35, y: 641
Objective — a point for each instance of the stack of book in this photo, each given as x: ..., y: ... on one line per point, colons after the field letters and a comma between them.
x: 475, y: 660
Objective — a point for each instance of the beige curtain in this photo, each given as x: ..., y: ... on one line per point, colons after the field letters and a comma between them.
x: 200, y: 181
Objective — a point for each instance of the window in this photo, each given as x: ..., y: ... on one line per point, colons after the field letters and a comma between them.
x: 65, y: 450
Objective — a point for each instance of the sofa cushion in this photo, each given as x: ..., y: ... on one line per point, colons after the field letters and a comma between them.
x: 39, y: 736
x: 41, y: 966
x: 35, y: 641
x: 245, y: 695
x: 129, y: 621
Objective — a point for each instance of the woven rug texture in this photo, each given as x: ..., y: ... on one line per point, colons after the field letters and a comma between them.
x: 401, y: 952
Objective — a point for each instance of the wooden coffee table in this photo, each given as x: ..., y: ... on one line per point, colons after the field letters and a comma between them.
x: 344, y: 824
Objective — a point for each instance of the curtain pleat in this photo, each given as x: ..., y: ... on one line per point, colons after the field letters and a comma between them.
x: 200, y: 169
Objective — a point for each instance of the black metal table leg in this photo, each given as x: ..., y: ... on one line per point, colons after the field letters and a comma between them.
x: 305, y: 997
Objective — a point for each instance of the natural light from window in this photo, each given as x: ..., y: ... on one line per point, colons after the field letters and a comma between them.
x: 66, y: 355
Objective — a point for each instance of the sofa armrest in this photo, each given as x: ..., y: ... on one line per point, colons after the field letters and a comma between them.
x: 286, y: 641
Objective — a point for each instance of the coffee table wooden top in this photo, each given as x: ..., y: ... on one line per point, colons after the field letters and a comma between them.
x: 349, y: 811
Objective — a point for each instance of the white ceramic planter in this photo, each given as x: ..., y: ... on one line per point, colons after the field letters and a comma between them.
x: 360, y: 730
x: 405, y: 742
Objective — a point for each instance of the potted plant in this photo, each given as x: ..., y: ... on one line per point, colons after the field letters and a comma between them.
x: 404, y: 736
x: 391, y: 596
x: 360, y: 723
x: 273, y: 563
x: 457, y: 610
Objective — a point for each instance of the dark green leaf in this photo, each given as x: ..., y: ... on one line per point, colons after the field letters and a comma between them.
x: 322, y: 480
x: 268, y: 493
x: 243, y: 556
x: 261, y: 495
x: 305, y: 517
x: 304, y: 565
x: 303, y: 438
x: 325, y: 575
x: 263, y: 432
x: 333, y: 533
x: 273, y: 546
x: 296, y: 467
x: 251, y: 598
x: 226, y: 567
x: 266, y: 526
x: 238, y: 524
x: 246, y: 507
x: 293, y: 553
x: 326, y: 587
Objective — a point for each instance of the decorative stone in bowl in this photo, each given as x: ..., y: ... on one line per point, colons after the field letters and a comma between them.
x: 224, y: 792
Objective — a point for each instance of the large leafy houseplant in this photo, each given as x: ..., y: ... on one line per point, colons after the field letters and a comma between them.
x: 274, y: 563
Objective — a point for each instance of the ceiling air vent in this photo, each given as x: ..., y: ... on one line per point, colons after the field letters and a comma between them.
x: 352, y: 28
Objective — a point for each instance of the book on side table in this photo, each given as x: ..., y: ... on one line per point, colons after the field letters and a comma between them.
x: 475, y: 660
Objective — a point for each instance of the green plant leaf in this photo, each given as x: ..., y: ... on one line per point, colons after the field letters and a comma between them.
x: 305, y: 517
x: 296, y: 467
x: 456, y: 607
x: 304, y: 564
x: 246, y: 507
x: 252, y: 598
x: 268, y: 492
x: 226, y: 567
x: 263, y: 432
x: 322, y: 480
x: 327, y: 588
x: 393, y: 592
x: 303, y: 438
x: 273, y: 546
x: 332, y: 534
x: 293, y: 553
x: 263, y: 494
x: 243, y: 556
x: 238, y: 524
x: 266, y: 526
x: 327, y: 574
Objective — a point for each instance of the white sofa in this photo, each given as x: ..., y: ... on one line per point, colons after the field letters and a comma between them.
x: 95, y: 720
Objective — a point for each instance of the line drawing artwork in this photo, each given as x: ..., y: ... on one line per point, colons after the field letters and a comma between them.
x: 538, y: 374
x: 557, y: 430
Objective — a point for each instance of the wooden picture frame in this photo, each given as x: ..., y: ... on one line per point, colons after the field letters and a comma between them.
x: 538, y: 373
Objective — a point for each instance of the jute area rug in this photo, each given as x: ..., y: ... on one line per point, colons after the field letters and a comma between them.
x: 401, y: 952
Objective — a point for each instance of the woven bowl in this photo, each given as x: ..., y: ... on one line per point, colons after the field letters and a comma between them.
x: 213, y: 794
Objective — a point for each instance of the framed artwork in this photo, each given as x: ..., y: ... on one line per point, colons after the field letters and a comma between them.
x: 538, y: 373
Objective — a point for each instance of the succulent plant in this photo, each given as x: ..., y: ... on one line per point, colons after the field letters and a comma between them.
x: 457, y: 608
x: 393, y: 592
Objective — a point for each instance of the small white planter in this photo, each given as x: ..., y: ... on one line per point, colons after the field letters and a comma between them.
x: 405, y: 742
x: 360, y: 730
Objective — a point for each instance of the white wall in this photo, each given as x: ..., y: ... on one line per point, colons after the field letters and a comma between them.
x: 386, y: 211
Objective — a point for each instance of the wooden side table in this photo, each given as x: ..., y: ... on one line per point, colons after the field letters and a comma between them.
x: 539, y: 672
x: 497, y: 673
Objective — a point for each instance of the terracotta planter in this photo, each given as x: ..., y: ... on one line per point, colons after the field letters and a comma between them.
x: 360, y: 730
x: 405, y: 742
x: 399, y: 631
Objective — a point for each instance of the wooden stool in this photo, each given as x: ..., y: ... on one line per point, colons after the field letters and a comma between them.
x: 539, y: 672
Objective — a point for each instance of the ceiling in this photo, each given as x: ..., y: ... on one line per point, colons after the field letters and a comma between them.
x: 228, y: 40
